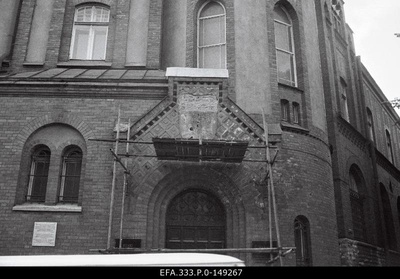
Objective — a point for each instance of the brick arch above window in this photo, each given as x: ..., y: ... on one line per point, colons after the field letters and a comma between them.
x: 88, y: 2
x: 358, y: 176
x: 67, y: 119
x: 56, y: 137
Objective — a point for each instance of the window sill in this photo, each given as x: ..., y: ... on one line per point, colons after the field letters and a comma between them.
x: 85, y: 64
x: 296, y: 88
x: 48, y: 208
x: 34, y: 64
x: 294, y: 127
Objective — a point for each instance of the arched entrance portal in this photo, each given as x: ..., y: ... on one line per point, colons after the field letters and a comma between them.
x: 195, y: 220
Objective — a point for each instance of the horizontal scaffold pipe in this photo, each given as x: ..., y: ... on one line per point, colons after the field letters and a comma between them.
x: 284, y: 250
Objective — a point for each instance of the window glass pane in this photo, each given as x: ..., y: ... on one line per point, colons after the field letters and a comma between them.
x: 211, y: 9
x: 280, y: 14
x: 212, y: 57
x: 210, y: 31
x: 88, y: 14
x: 80, y: 48
x: 285, y: 110
x: 101, y: 15
x: 285, y: 66
x: 223, y: 56
x: 80, y: 15
x: 40, y: 166
x: 99, y: 42
x: 353, y: 183
x: 283, y: 38
x: 70, y: 177
x: 38, y: 189
x: 296, y: 113
x: 71, y: 189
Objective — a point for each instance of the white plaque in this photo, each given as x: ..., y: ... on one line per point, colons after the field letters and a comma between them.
x: 44, y: 234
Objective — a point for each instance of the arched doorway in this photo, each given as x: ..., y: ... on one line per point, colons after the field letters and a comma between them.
x: 195, y: 220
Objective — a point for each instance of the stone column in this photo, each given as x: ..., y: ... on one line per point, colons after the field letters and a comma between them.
x: 138, y: 30
x: 39, y: 35
x: 174, y: 34
x: 8, y: 15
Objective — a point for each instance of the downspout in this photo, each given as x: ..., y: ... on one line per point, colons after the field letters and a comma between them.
x: 372, y: 148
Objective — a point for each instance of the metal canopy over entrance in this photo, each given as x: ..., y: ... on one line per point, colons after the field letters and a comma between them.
x: 200, y: 150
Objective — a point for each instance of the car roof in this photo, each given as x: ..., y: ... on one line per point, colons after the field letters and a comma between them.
x: 145, y: 259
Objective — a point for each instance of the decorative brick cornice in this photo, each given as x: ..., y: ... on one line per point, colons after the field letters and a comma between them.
x: 382, y: 161
x: 349, y: 132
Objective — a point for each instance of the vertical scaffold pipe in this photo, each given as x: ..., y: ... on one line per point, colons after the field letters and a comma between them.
x: 113, y: 183
x: 271, y: 186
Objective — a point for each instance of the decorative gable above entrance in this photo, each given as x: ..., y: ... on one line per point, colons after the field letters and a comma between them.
x: 198, y: 122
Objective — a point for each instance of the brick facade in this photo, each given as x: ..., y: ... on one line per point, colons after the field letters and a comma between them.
x: 81, y: 101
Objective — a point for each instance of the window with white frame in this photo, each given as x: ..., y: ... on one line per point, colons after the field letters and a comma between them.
x: 285, y: 49
x: 70, y: 175
x: 39, y: 172
x: 211, y: 40
x: 90, y: 32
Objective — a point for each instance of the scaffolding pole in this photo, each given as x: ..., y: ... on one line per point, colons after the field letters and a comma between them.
x: 113, y: 183
x: 126, y: 172
x: 271, y: 193
x: 286, y: 250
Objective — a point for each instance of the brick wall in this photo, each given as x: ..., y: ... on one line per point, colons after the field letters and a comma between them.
x: 76, y: 233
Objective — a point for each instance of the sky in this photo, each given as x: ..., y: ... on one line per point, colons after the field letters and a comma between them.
x: 374, y: 23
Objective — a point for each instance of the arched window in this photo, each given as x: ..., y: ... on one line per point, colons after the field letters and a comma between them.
x: 370, y: 123
x: 388, y: 218
x: 337, y: 15
x: 211, y: 41
x: 39, y: 172
x: 356, y: 203
x: 70, y: 175
x: 389, y: 146
x: 302, y: 241
x: 285, y: 49
x: 89, y: 35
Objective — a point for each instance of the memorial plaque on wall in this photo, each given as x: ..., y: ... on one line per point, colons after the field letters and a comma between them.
x: 44, y: 234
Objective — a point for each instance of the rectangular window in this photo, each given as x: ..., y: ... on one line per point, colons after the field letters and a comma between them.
x: 343, y: 101
x: 285, y: 113
x: 90, y: 32
x: 296, y: 113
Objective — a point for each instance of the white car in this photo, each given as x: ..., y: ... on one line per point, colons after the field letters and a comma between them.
x: 119, y: 260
